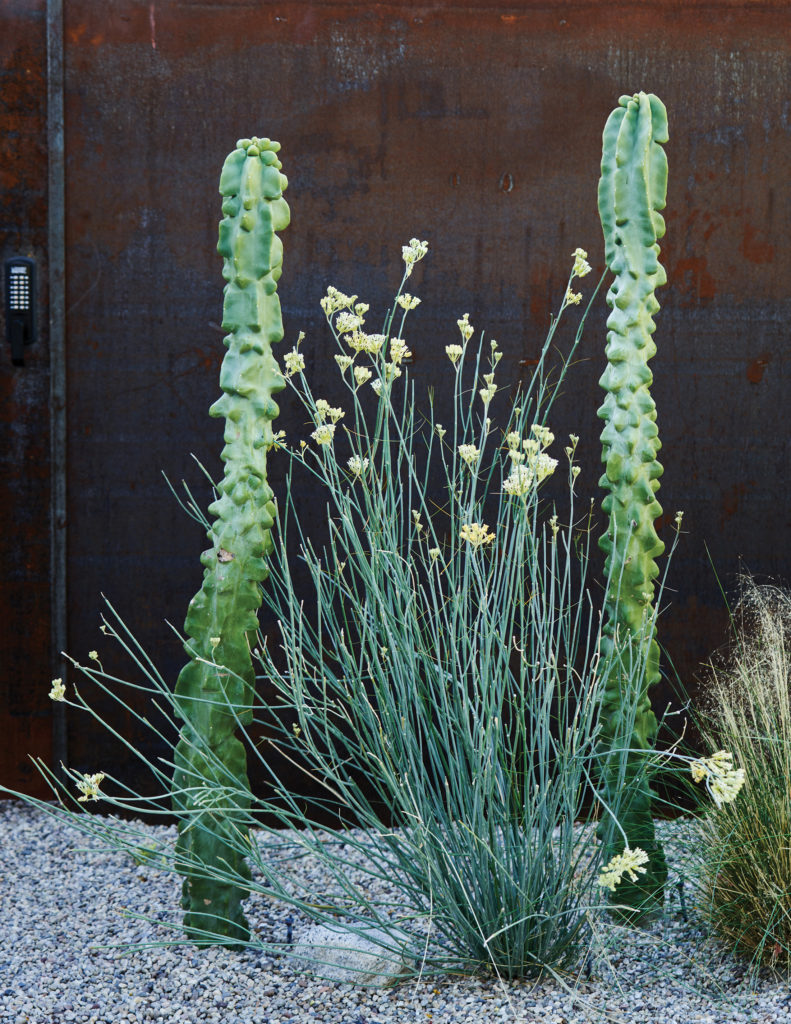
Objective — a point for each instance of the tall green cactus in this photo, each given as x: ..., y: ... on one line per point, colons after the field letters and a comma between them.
x: 217, y: 684
x: 632, y: 190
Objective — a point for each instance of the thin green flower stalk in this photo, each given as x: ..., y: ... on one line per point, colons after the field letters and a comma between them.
x: 632, y: 191
x: 214, y: 692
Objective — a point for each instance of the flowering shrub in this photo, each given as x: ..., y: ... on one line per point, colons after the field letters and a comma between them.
x: 451, y: 662
x: 446, y: 678
x: 441, y: 690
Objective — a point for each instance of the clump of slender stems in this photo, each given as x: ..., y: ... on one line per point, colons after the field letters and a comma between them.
x: 438, y: 686
x: 746, y: 843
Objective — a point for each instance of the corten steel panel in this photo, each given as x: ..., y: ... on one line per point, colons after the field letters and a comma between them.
x: 25, y: 711
x: 477, y: 127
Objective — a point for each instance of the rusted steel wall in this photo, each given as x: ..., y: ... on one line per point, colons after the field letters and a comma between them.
x: 477, y: 127
x: 25, y: 725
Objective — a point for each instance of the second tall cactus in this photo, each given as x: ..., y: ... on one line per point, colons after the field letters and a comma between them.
x: 632, y: 191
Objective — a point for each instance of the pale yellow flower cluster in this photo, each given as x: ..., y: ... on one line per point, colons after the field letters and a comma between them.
x: 361, y: 375
x: 334, y: 301
x: 630, y: 863
x: 359, y: 341
x: 723, y: 781
x: 571, y: 448
x: 519, y: 481
x: 543, y: 435
x: 476, y: 534
x: 357, y: 465
x: 580, y: 269
x: 531, y: 465
x: 88, y: 785
x: 294, y: 362
x: 324, y: 433
x: 465, y: 327
x: 348, y: 322
x: 581, y: 266
x: 325, y: 411
x: 454, y: 353
x: 469, y: 453
x: 58, y: 691
x: 399, y: 351
x: 543, y: 466
x: 407, y: 301
x: 487, y: 393
x: 413, y: 253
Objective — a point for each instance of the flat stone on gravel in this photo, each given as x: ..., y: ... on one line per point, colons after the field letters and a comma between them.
x: 342, y: 956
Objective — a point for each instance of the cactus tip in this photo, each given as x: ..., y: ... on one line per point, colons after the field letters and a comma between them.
x: 258, y: 147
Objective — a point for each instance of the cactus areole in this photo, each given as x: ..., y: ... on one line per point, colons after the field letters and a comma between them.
x: 215, y: 689
x: 632, y: 191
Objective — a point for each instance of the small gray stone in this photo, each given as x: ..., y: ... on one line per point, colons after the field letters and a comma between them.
x: 350, y: 958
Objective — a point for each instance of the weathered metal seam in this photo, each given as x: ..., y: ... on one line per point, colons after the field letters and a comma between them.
x: 57, y: 363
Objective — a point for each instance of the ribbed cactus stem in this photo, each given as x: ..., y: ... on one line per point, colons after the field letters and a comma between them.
x: 632, y: 191
x: 217, y: 684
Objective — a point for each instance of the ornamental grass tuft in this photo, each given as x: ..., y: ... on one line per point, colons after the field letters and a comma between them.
x: 746, y: 843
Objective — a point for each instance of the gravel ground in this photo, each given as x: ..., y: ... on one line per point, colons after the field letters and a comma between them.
x: 62, y: 896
